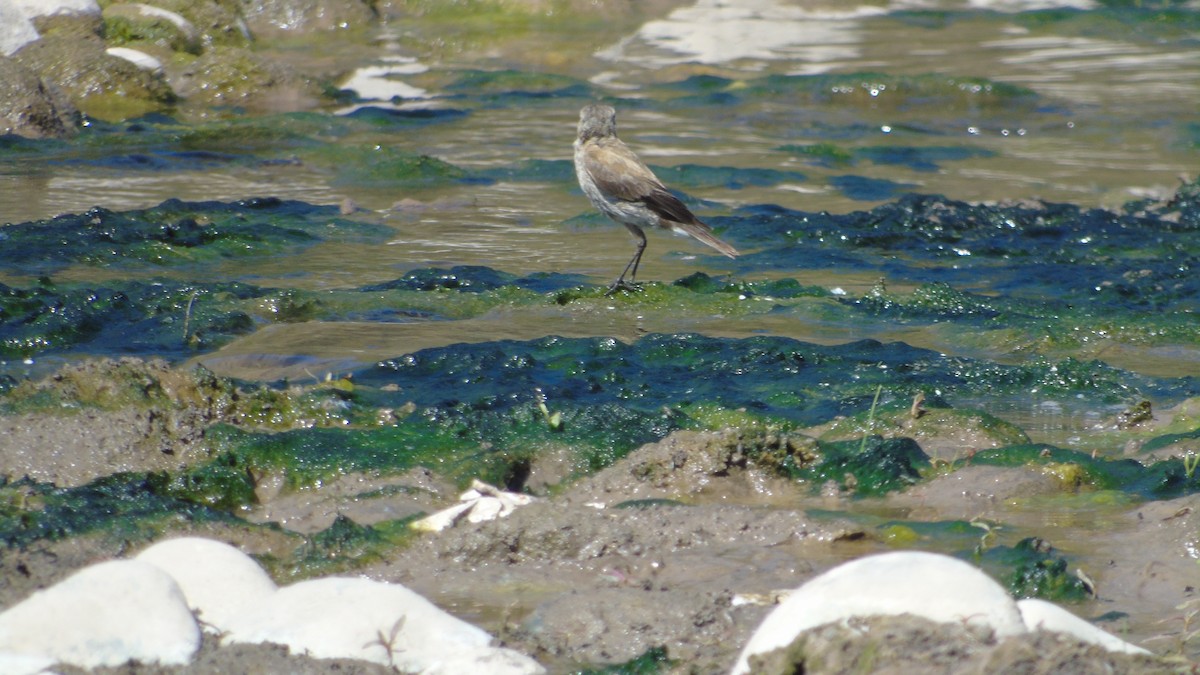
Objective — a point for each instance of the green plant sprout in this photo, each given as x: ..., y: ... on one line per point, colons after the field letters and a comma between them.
x: 1190, y: 461
x: 553, y: 419
x: 989, y: 533
x: 870, y: 420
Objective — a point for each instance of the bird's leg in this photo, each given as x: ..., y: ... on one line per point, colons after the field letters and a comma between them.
x: 631, y: 269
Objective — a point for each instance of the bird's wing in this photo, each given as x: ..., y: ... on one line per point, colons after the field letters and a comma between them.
x: 619, y: 173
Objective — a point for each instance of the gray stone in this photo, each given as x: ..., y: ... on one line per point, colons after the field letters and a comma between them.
x: 30, y: 107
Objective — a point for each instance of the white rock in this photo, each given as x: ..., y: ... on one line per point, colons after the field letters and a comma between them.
x: 104, y: 615
x: 138, y: 58
x: 1042, y: 615
x: 221, y: 583
x: 333, y: 617
x: 181, y: 23
x: 16, y: 30
x: 928, y: 585
x: 370, y: 620
x: 25, y: 664
x: 36, y: 8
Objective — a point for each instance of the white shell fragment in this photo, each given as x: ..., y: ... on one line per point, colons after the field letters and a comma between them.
x: 136, y: 57
x: 481, y: 502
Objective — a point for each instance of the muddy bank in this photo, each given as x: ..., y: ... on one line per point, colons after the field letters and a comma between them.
x: 674, y: 553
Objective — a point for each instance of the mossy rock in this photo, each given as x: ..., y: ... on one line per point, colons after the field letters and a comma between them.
x: 138, y: 25
x: 232, y: 76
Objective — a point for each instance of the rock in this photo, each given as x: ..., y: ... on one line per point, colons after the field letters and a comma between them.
x: 1042, y: 615
x: 104, y: 615
x: 976, y: 491
x: 927, y: 585
x: 338, y: 617
x: 333, y: 617
x: 23, y: 664
x: 137, y: 23
x: 230, y: 76
x: 899, y: 645
x: 29, y: 107
x: 221, y: 583
x: 71, y: 55
x: 16, y: 30
x: 43, y: 8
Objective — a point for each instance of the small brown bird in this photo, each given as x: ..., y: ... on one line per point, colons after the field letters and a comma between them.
x: 626, y: 190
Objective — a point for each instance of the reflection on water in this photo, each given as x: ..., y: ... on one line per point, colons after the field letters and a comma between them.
x: 746, y: 34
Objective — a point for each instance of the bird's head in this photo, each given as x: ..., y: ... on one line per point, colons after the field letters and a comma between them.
x: 597, y: 121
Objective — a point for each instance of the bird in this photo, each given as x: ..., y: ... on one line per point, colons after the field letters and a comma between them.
x: 623, y: 188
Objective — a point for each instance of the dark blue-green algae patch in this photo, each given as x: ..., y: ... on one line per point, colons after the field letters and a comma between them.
x: 165, y: 318
x: 1139, y: 257
x: 1040, y: 277
x: 176, y: 233
x: 132, y: 506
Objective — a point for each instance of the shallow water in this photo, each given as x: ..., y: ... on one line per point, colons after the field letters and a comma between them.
x: 1111, y: 118
x: 752, y: 110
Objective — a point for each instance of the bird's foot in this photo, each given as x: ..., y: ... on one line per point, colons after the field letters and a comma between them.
x: 623, y: 286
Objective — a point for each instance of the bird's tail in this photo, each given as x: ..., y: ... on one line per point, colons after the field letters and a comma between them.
x: 703, y: 233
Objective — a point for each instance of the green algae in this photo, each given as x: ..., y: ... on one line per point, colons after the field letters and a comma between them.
x: 870, y: 468
x: 1037, y: 258
x: 118, y: 384
x: 1038, y: 571
x: 952, y: 534
x: 156, y: 317
x: 127, y: 505
x: 343, y: 546
x: 474, y: 279
x: 1078, y: 470
x: 923, y: 417
x: 652, y: 661
x: 384, y: 166
x: 174, y: 233
x: 492, y: 446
